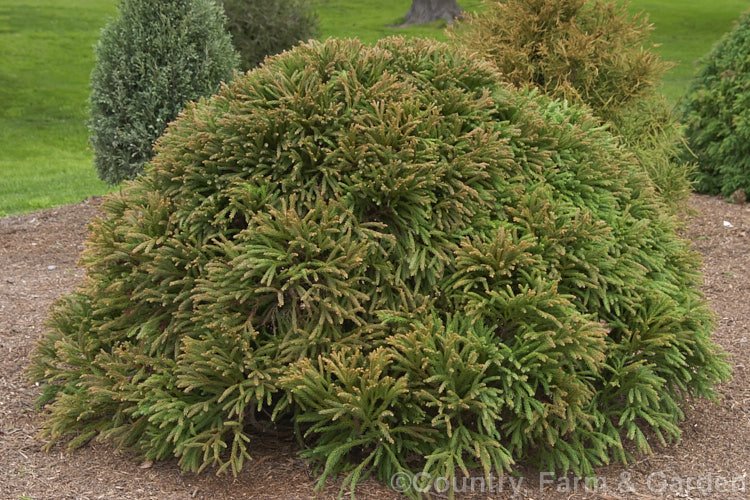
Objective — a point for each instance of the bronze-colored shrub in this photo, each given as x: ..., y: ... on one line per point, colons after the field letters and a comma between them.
x: 590, y: 52
x: 392, y: 254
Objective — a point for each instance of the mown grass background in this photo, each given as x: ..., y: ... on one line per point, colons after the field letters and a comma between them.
x: 685, y: 31
x: 46, y: 57
x: 47, y: 53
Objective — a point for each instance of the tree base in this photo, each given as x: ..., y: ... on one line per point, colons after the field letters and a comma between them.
x: 427, y: 11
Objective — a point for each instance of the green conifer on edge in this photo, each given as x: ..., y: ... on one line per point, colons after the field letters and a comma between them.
x: 716, y: 115
x: 384, y: 250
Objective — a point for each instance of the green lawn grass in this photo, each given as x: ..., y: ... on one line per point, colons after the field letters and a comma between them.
x: 686, y: 30
x: 46, y: 57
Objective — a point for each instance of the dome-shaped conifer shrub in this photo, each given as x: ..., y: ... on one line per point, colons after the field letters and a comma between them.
x: 591, y: 52
x: 382, y: 249
x: 716, y: 112
x: 152, y: 59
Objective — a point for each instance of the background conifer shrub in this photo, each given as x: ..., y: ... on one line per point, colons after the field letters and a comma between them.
x: 151, y: 60
x: 589, y: 52
x: 261, y: 28
x: 391, y: 254
x: 651, y: 129
x: 716, y: 114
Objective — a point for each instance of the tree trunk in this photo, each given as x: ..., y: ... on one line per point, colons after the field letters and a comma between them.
x: 426, y: 11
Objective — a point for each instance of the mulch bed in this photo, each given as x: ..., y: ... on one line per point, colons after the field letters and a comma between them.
x: 38, y: 254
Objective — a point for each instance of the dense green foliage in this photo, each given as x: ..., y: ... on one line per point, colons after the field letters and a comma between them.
x: 651, y: 130
x: 716, y: 111
x: 261, y: 28
x: 151, y: 60
x: 590, y: 52
x: 391, y: 254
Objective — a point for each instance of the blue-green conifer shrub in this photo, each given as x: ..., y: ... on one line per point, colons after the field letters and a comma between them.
x: 390, y: 254
x: 152, y: 59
